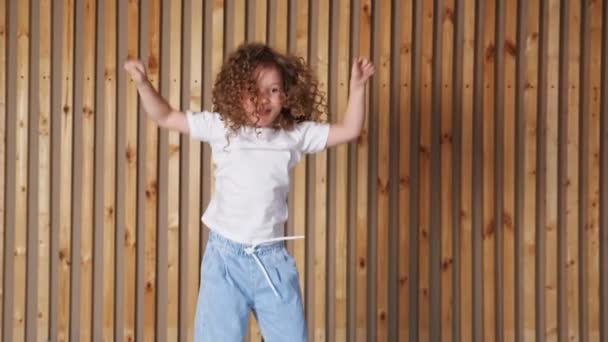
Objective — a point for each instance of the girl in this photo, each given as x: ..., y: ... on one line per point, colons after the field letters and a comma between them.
x: 267, y: 109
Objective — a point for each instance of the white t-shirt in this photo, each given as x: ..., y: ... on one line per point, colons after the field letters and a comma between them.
x: 252, y: 174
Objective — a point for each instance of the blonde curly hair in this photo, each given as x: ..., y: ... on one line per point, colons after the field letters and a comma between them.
x: 302, y: 98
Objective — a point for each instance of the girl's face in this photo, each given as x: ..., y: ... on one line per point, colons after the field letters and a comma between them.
x: 270, y: 99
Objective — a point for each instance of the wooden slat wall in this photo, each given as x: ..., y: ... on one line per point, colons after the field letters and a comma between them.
x: 474, y: 206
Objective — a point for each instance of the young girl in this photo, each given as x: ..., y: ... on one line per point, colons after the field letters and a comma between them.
x: 267, y: 110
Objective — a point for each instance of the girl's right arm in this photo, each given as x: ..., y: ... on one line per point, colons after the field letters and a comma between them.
x: 156, y: 106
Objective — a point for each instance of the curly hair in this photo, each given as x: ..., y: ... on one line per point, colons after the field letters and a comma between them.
x: 302, y: 98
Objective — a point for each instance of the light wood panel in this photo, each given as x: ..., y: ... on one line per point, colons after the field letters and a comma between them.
x: 109, y: 171
x: 173, y: 160
x: 88, y: 115
x: 341, y: 92
x: 383, y: 78
x: 65, y: 181
x: 3, y: 110
x: 488, y: 218
x: 492, y: 187
x: 424, y: 225
x: 44, y: 167
x: 446, y: 134
x: 466, y: 214
x: 366, y: 13
x: 510, y: 163
x: 21, y: 182
x: 530, y: 171
x: 593, y: 178
x: 151, y: 179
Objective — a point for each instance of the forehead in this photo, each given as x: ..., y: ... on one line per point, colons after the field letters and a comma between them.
x: 268, y: 75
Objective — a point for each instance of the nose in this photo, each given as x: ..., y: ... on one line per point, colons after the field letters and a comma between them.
x: 265, y: 98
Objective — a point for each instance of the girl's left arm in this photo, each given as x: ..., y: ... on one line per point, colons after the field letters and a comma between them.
x: 350, y: 128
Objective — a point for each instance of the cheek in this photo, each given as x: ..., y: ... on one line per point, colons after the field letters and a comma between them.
x: 248, y: 106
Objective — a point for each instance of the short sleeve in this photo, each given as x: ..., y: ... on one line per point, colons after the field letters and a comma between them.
x: 313, y: 136
x: 205, y: 126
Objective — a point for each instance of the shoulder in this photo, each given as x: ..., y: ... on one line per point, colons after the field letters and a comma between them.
x: 206, y: 125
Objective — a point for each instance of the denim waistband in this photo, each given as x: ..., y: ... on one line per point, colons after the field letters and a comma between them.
x: 230, y: 246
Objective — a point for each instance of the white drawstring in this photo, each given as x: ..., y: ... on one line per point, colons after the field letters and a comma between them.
x: 253, y: 248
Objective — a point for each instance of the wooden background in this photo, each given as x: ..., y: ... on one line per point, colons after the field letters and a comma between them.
x: 474, y: 207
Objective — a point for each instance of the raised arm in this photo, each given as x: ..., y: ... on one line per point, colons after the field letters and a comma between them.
x: 154, y: 104
x: 350, y: 128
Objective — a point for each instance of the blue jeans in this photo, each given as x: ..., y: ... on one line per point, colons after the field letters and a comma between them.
x: 235, y: 282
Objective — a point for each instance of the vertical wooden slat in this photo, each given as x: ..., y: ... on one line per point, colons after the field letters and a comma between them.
x: 109, y: 162
x: 341, y: 186
x: 509, y: 163
x: 573, y: 265
x: 603, y: 165
x: 466, y: 153
x: 405, y: 49
x: 261, y: 11
x: 446, y: 185
x: 383, y: 79
x: 436, y: 182
x: 9, y: 192
x: 529, y: 294
x: 542, y: 286
x: 129, y: 240
x: 194, y: 159
x: 488, y: 227
x: 88, y: 152
x: 184, y: 303
x: 77, y: 176
x: 98, y: 188
x: 520, y: 175
x: 604, y: 180
x: 499, y: 168
x: 173, y: 153
x: 31, y: 287
x: 478, y: 223
x: 239, y: 22
x: 551, y: 165
x: 280, y: 30
x: 3, y: 111
x: 457, y: 122
x: 563, y: 127
x: 414, y: 207
x: 361, y: 253
x: 162, y: 284
x: 20, y: 187
x: 65, y: 253
x: 44, y: 155
x: 593, y: 229
x: 593, y: 151
x: 583, y: 160
x: 319, y: 333
x: 571, y: 58
x: 109, y: 172
x: 425, y: 128
x: 151, y: 180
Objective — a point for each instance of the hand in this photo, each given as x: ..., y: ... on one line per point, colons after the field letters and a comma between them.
x: 137, y: 70
x: 361, y: 71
